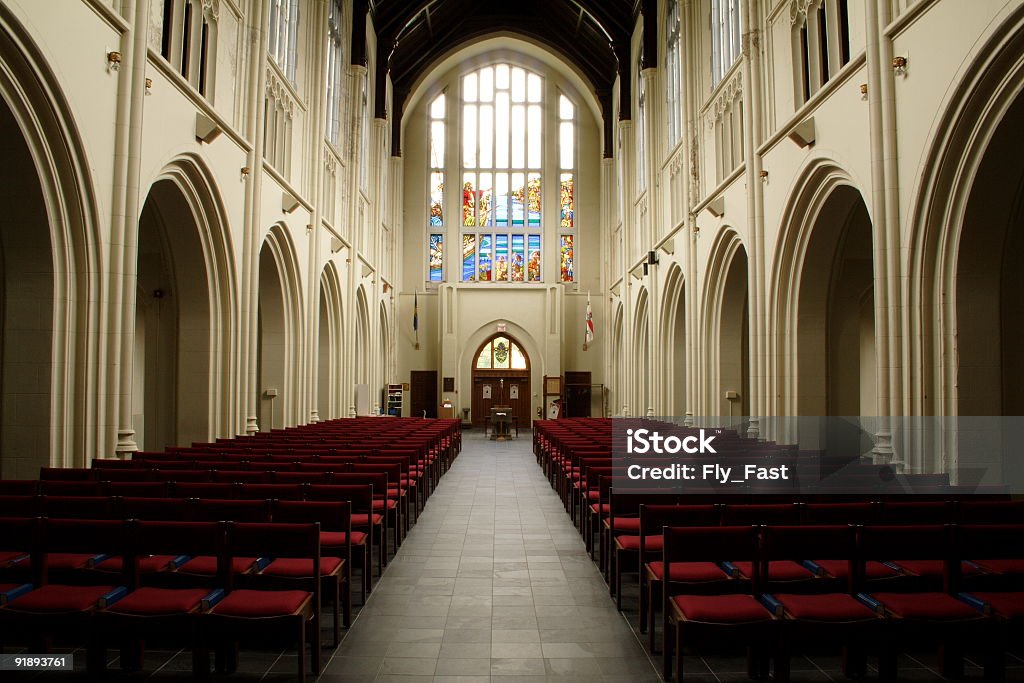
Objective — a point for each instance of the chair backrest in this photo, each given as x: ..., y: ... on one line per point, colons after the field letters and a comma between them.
x: 332, y: 515
x: 137, y: 489
x: 276, y: 541
x: 214, y: 510
x: 810, y: 542
x: 19, y: 487
x: 65, y: 474
x: 19, y: 506
x: 917, y: 512
x: 71, y: 488
x: 159, y: 537
x: 653, y: 518
x: 711, y: 544
x: 244, y: 476
x: 19, y: 532
x: 991, y: 512
x: 359, y: 495
x: 196, y: 489
x: 840, y: 513
x: 152, y: 509
x: 903, y: 542
x: 112, y: 537
x: 270, y: 491
x: 176, y: 476
x: 78, y: 507
x: 771, y: 513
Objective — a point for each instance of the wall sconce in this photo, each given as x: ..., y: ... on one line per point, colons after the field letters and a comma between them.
x: 863, y: 91
x: 113, y: 60
x: 245, y: 171
x: 149, y: 86
x: 763, y: 175
x: 899, y: 66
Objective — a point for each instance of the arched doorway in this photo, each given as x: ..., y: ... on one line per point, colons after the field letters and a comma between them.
x: 280, y: 338
x: 674, y: 343
x: 183, y: 316
x: 642, y: 355
x: 728, y: 330
x: 501, y: 377
x: 330, y: 357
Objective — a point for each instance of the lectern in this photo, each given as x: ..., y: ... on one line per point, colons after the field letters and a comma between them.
x: 501, y: 422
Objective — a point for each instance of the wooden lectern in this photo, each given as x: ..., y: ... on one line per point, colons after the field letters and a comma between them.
x: 501, y: 422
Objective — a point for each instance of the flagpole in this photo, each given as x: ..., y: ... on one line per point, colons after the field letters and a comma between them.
x: 416, y: 317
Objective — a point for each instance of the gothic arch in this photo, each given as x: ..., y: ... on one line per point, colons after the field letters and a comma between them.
x: 821, y: 294
x: 281, y: 332
x: 726, y: 327
x: 49, y: 171
x: 330, y: 351
x: 641, y: 339
x: 958, y: 196
x: 674, y: 343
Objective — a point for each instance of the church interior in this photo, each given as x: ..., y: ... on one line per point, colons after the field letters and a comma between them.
x: 324, y: 325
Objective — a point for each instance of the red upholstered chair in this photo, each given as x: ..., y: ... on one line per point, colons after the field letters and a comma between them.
x: 336, y: 540
x: 770, y: 513
x: 169, y: 613
x: 360, y: 497
x: 1003, y: 608
x: 286, y: 615
x: 737, y: 617
x: 56, y: 610
x: 216, y: 510
x: 686, y: 576
x: 926, y: 616
x: 826, y: 613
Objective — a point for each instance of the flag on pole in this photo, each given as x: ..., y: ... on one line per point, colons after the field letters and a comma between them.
x: 416, y: 317
x: 589, y: 332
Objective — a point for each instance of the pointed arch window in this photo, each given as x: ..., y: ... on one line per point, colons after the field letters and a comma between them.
x: 673, y: 82
x: 501, y: 353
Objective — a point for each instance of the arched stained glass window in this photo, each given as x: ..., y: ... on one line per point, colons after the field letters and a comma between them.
x: 501, y: 353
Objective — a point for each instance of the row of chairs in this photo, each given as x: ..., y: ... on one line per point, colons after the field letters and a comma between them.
x: 334, y: 517
x: 202, y: 612
x: 775, y: 615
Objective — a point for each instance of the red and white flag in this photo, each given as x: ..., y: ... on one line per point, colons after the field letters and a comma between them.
x: 589, y: 333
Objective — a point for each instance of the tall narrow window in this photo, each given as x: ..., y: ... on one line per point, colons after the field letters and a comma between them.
x: 641, y: 128
x: 364, y: 134
x: 186, y: 38
x: 823, y: 29
x: 335, y: 71
x: 726, y: 32
x: 166, y: 29
x: 204, y: 54
x: 822, y: 36
x: 567, y: 186
x: 283, y: 34
x: 502, y: 170
x: 673, y: 103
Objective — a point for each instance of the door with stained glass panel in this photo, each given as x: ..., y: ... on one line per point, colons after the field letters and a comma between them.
x: 501, y: 377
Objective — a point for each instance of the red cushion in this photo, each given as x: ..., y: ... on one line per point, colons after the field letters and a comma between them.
x: 64, y: 561
x: 721, y: 609
x: 379, y: 504
x: 253, y: 603
x: 934, y: 606
x: 147, y: 565
x: 59, y: 598
x: 153, y: 601
x: 300, y: 568
x: 602, y: 507
x: 872, y: 570
x: 827, y: 607
x: 7, y: 557
x: 778, y: 570
x: 1001, y: 566
x: 336, y: 538
x: 689, y: 571
x: 364, y: 520
x: 627, y: 524
x: 593, y: 494
x: 651, y: 543
x: 932, y: 567
x: 1007, y: 605
x: 206, y: 565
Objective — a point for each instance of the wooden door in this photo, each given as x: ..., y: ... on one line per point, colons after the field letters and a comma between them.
x: 495, y: 389
x: 577, y: 394
x: 423, y: 396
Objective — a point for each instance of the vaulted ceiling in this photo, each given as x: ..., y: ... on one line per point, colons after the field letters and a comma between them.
x: 592, y: 35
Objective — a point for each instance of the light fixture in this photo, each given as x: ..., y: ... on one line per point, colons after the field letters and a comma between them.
x: 113, y: 60
x: 899, y: 65
x: 245, y: 170
x: 863, y: 91
x: 149, y: 86
x: 763, y: 175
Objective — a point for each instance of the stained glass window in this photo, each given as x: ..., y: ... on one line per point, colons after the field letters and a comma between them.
x: 436, y: 257
x: 566, y: 256
x: 468, y: 258
x: 436, y: 200
x: 566, y: 200
x: 533, y: 259
x: 517, y: 258
x: 501, y: 257
x: 501, y: 353
x: 484, y: 270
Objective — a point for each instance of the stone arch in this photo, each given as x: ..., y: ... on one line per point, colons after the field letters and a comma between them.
x: 641, y: 339
x: 185, y: 311
x: 823, y: 299
x: 619, y: 393
x: 674, y: 343
x: 330, y: 346
x: 726, y: 327
x: 362, y: 338
x: 50, y: 276
x: 279, y: 351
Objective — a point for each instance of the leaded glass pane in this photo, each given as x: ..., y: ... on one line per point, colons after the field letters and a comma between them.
x: 533, y: 253
x: 566, y: 254
x: 436, y: 258
x: 501, y: 258
x: 518, y: 257
x: 468, y: 258
x: 518, y: 359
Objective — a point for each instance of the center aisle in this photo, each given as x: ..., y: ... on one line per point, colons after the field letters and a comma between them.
x: 492, y: 583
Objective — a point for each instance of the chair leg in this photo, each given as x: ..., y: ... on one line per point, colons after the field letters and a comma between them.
x: 653, y: 599
x: 679, y: 654
x: 642, y: 625
x: 855, y: 663
x: 666, y: 654
x: 951, y: 658
x: 301, y: 667
x: 887, y: 667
